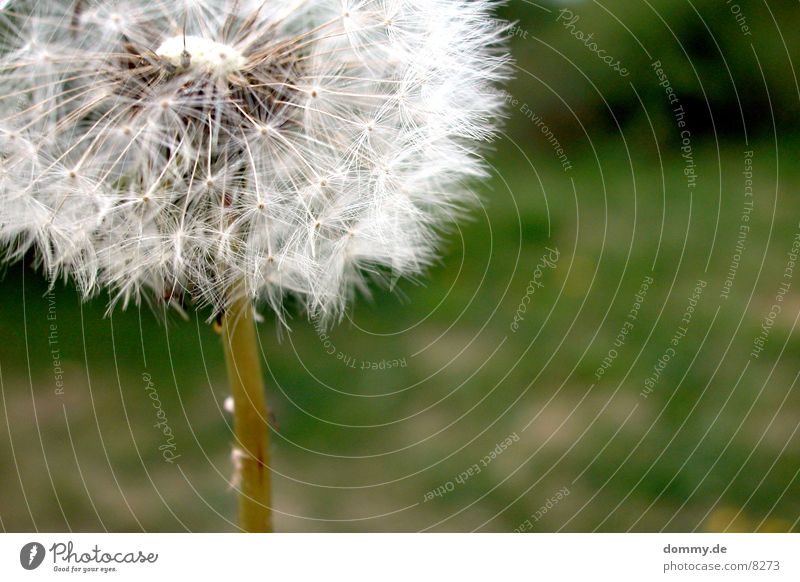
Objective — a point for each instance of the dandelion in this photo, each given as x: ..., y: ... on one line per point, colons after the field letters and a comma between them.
x: 240, y: 152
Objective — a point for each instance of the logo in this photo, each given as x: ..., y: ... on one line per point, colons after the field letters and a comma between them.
x: 31, y: 555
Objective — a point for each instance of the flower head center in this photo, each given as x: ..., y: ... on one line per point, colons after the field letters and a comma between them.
x: 198, y: 53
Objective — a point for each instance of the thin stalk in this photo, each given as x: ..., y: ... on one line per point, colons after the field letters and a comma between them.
x: 242, y: 358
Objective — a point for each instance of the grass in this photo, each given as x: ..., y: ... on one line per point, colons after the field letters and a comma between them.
x: 358, y: 446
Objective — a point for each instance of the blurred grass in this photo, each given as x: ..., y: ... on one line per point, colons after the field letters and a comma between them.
x: 712, y: 448
x: 688, y: 456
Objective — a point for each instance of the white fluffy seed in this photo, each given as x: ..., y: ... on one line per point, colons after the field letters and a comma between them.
x: 283, y: 148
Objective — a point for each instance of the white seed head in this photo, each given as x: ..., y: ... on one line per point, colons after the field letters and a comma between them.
x: 200, y: 53
x: 191, y: 147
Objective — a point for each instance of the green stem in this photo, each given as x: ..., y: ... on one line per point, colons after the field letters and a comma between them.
x: 242, y: 358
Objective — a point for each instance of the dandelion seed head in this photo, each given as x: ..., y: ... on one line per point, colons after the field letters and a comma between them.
x: 195, y: 52
x: 193, y: 147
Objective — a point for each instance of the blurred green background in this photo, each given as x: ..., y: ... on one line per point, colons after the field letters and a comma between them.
x: 420, y: 385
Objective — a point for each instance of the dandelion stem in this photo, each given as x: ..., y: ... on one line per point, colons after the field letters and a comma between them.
x: 250, y: 416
